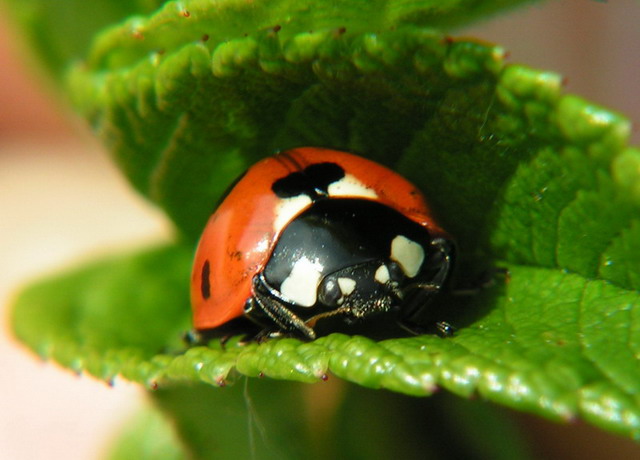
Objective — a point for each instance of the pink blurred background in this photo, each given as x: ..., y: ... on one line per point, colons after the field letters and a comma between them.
x: 61, y: 201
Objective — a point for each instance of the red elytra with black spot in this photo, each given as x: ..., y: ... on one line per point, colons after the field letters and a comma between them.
x: 241, y: 235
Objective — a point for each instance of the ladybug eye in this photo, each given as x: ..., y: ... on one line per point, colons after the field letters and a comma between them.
x: 329, y: 292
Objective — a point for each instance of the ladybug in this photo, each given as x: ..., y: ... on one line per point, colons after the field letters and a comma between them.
x: 312, y: 235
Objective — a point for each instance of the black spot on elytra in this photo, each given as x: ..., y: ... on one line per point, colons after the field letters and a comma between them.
x: 292, y: 185
x: 313, y: 181
x: 205, y: 285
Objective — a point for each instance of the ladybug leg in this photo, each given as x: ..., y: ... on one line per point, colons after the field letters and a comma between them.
x: 191, y: 338
x: 338, y: 311
x: 443, y: 252
x: 270, y: 305
x: 442, y: 328
x: 284, y: 318
x: 445, y: 329
x: 417, y: 294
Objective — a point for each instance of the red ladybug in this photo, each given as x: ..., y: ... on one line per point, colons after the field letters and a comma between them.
x: 313, y: 234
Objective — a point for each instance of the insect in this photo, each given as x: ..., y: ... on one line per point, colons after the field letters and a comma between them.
x: 313, y: 235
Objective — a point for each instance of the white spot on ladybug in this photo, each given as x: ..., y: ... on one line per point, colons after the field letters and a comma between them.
x: 408, y: 254
x: 347, y: 285
x: 382, y: 274
x: 301, y: 285
x: 288, y: 208
x: 350, y: 186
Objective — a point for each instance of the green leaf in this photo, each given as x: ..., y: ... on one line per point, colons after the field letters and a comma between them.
x: 187, y: 102
x: 184, y: 124
x: 63, y: 31
x: 523, y: 176
x: 545, y: 345
x: 119, y: 316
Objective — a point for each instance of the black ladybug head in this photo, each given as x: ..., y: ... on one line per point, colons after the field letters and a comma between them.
x: 362, y: 289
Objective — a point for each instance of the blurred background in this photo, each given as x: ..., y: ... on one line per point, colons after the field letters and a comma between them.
x: 61, y: 202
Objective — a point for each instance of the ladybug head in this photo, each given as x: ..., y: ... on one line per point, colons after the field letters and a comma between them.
x: 386, y: 284
x: 363, y: 288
